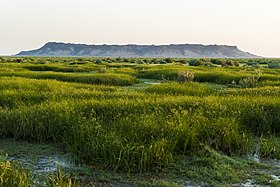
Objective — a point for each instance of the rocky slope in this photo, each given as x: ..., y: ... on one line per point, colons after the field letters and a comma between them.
x: 147, y: 51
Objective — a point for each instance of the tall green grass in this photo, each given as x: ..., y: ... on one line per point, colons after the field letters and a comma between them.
x: 136, y: 130
x: 266, y: 91
x: 100, y: 79
x: 136, y: 134
x: 206, y: 74
x: 190, y: 89
x: 17, y: 92
x: 59, y: 68
x: 15, y: 174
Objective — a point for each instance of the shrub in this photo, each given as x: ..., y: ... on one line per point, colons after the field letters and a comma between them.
x: 140, y: 62
x: 217, y: 61
x: 249, y: 82
x: 185, y: 76
x: 98, y: 61
x: 274, y: 65
x: 168, y: 60
x: 230, y: 63
x: 195, y: 62
x: 162, y: 62
x: 183, y: 61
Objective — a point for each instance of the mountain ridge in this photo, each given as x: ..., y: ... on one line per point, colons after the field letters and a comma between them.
x: 134, y: 50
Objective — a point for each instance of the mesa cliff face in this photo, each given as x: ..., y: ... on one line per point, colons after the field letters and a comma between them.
x: 144, y: 51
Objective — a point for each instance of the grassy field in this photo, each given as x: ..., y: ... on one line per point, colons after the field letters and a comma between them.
x: 145, y: 118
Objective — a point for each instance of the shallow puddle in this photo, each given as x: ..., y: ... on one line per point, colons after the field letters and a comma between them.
x: 152, y: 83
x: 44, y: 159
x: 40, y: 159
x: 47, y: 164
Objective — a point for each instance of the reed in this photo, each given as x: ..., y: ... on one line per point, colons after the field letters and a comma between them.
x: 136, y: 130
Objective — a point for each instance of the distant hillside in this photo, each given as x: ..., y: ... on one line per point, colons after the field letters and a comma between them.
x: 147, y: 51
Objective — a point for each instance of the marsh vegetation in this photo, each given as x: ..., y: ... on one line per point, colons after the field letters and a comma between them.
x: 201, y: 121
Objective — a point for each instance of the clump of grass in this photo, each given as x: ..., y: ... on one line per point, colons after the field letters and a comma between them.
x: 100, y: 79
x: 219, y: 77
x: 270, y: 147
x: 261, y: 118
x: 266, y: 91
x: 269, y: 83
x: 211, y: 168
x: 61, y: 180
x: 249, y: 81
x: 190, y: 89
x: 136, y: 134
x: 136, y: 130
x: 185, y: 76
x: 12, y: 174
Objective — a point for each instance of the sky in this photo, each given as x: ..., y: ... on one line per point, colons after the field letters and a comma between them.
x: 252, y: 25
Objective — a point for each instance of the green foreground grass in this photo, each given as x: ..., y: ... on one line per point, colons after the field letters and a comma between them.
x: 205, y: 168
x: 113, y: 117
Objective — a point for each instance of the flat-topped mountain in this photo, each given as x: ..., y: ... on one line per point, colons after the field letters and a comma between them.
x: 145, y: 51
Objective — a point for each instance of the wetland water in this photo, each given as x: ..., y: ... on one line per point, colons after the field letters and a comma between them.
x: 41, y: 159
x: 45, y: 159
x: 46, y: 164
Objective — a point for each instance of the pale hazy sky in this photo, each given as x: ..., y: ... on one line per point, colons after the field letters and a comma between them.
x: 252, y: 25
